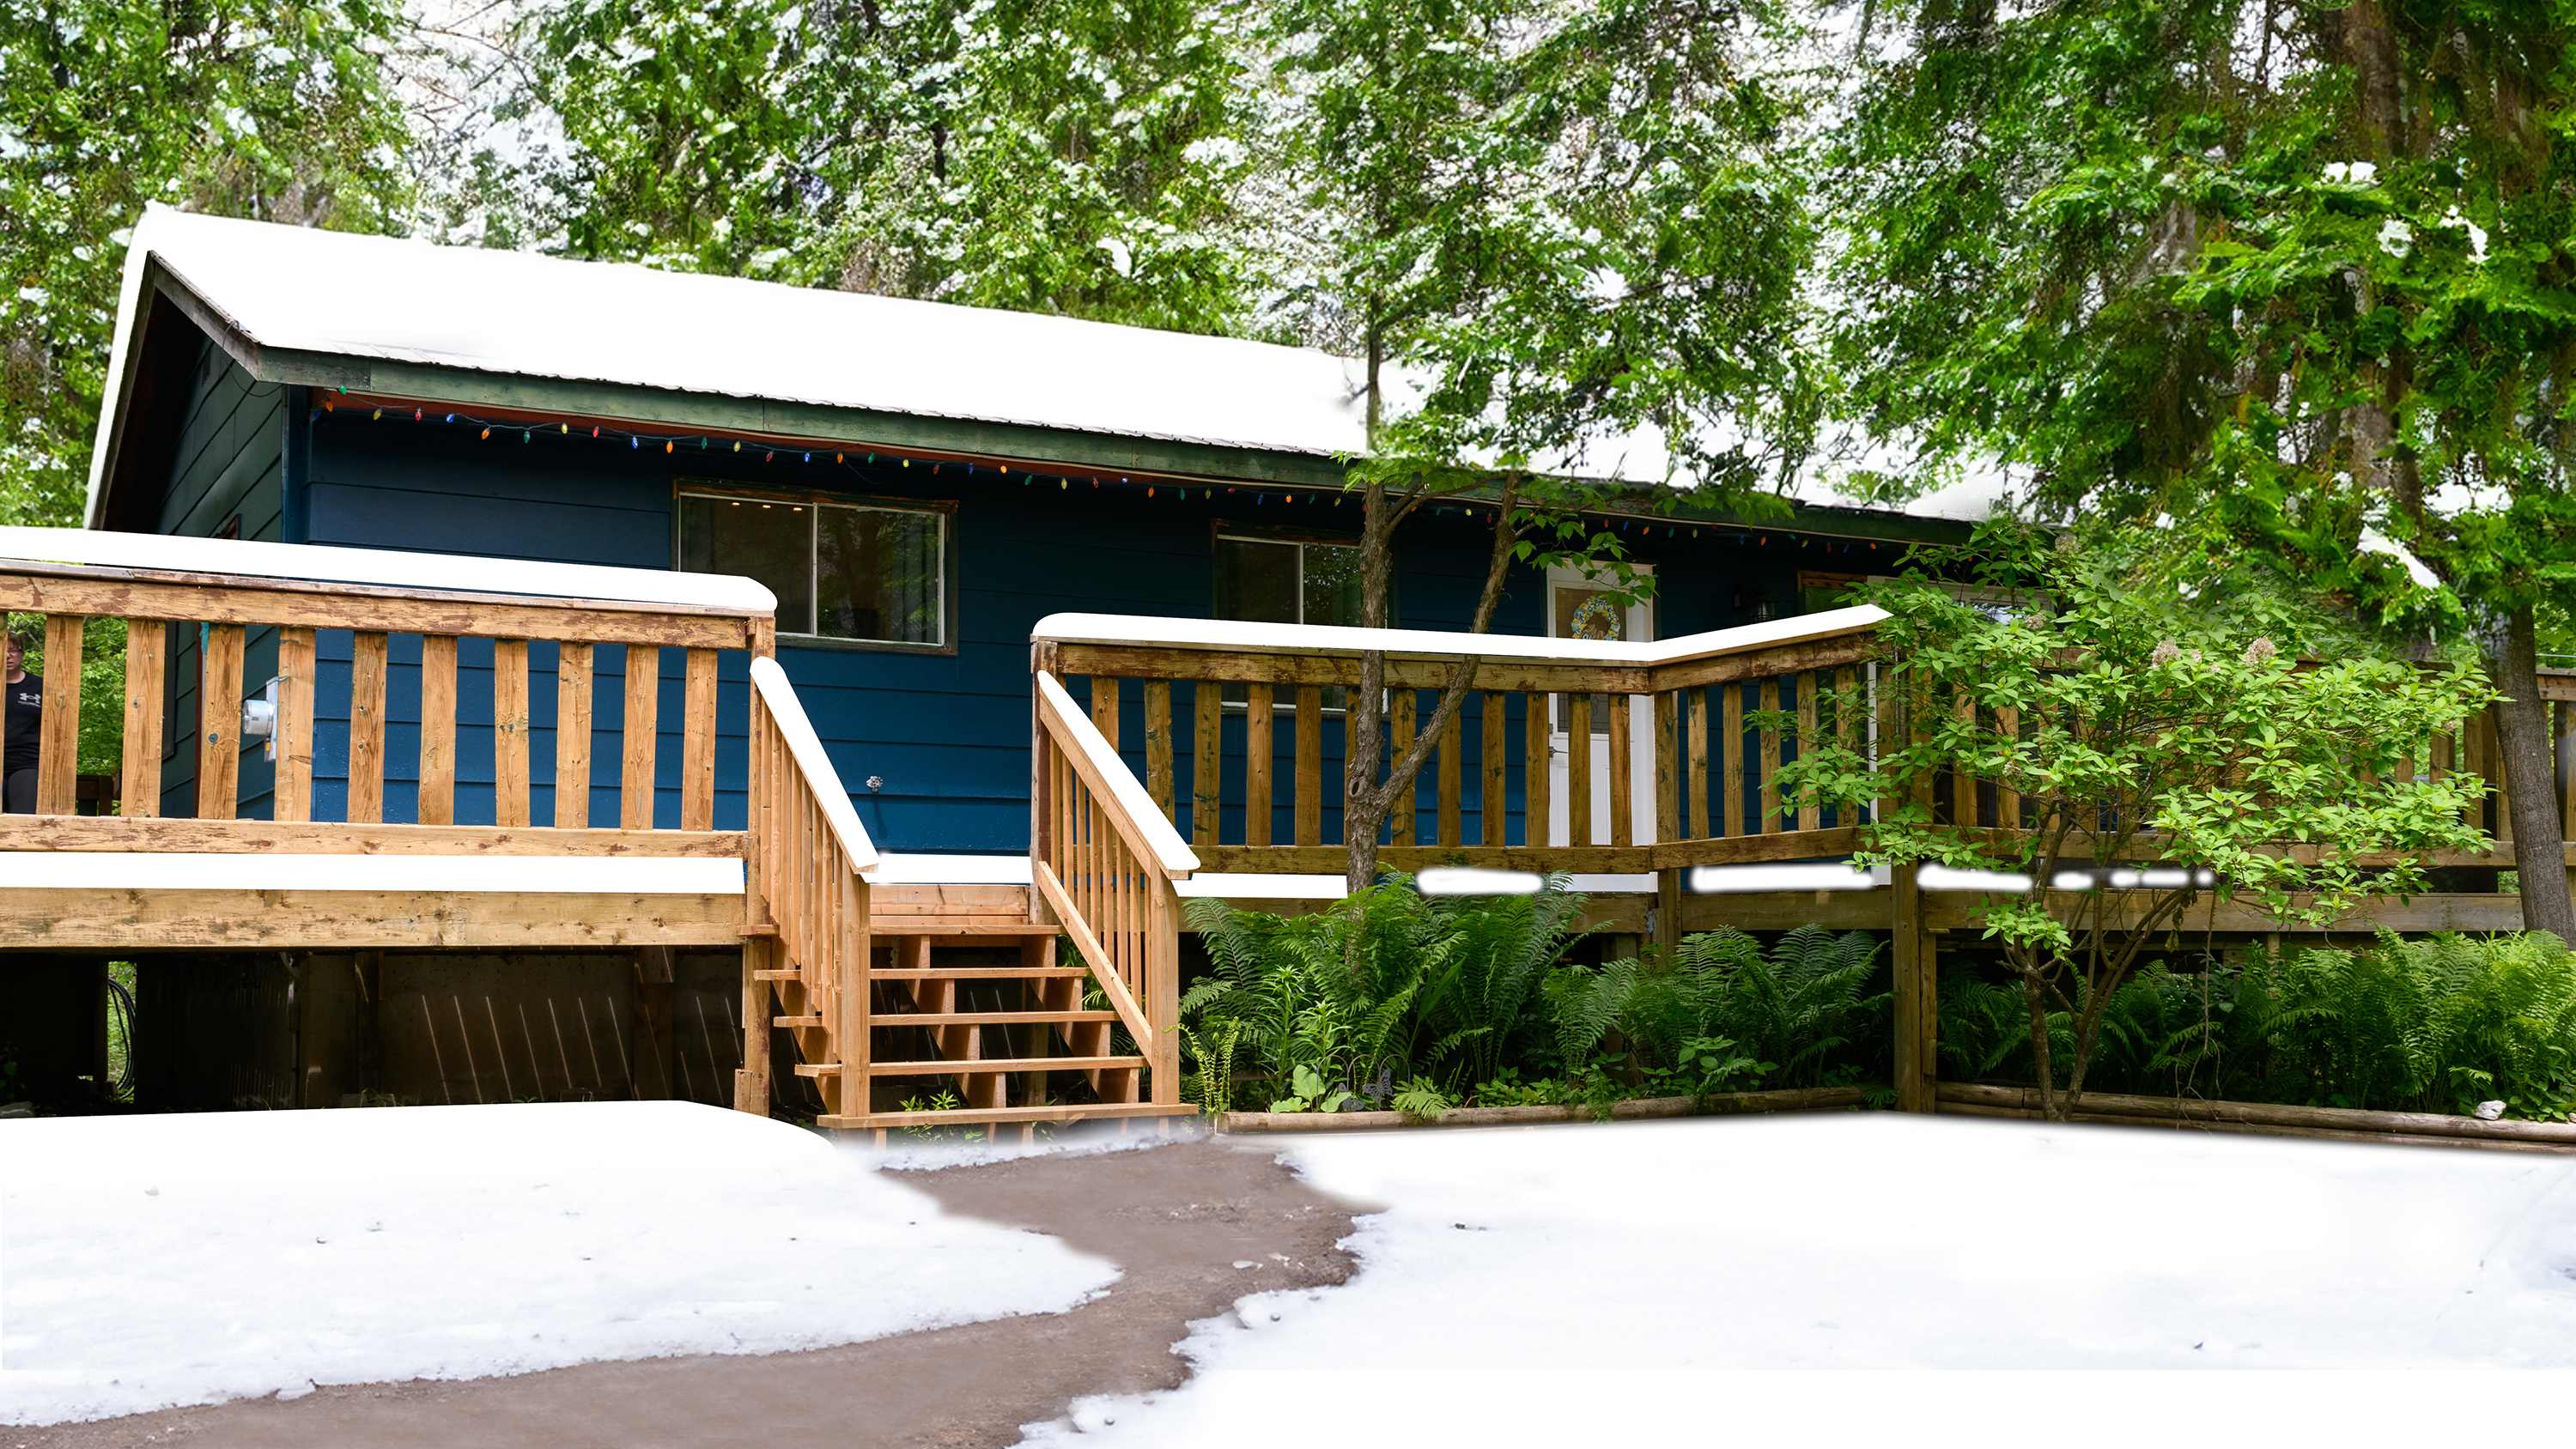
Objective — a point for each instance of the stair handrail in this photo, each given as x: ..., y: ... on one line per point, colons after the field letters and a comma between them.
x: 1141, y: 820
x: 1120, y: 856
x: 808, y: 873
x: 778, y: 696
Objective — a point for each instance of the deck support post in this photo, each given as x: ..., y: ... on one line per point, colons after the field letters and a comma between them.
x: 650, y: 1073
x: 1916, y: 967
x: 751, y: 1083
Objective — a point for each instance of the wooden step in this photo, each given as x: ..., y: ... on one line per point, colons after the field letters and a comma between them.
x: 975, y: 1066
x: 970, y: 1116
x: 765, y: 974
x: 980, y: 1065
x: 979, y: 973
x: 980, y: 1018
x: 796, y: 1021
x: 947, y: 928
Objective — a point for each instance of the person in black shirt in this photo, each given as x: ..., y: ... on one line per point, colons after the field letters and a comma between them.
x: 22, y: 700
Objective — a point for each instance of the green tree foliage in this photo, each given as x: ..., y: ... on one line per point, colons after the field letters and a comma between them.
x: 2139, y: 730
x: 275, y: 110
x: 2277, y: 273
x: 1543, y: 225
x: 1070, y: 156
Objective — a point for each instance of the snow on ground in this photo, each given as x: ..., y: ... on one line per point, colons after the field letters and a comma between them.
x: 1555, y: 1285
x: 160, y: 1260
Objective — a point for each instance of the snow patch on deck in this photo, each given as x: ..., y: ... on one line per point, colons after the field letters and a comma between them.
x: 155, y: 1261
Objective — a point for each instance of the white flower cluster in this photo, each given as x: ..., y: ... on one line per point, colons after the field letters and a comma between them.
x: 2351, y: 173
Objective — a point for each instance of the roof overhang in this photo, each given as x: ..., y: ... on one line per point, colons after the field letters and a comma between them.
x: 158, y: 297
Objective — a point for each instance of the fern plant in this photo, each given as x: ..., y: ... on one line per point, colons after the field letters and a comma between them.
x: 1385, y: 986
x: 1812, y: 999
x: 2438, y: 1025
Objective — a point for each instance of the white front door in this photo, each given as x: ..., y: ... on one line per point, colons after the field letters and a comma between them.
x: 1582, y: 604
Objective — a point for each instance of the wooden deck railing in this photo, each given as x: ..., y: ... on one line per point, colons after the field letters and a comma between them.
x: 1225, y: 715
x: 222, y: 605
x: 807, y: 858
x: 1103, y: 859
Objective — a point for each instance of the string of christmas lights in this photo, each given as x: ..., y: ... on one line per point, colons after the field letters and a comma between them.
x: 769, y: 451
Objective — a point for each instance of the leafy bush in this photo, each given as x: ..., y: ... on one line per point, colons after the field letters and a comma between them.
x: 2434, y: 1025
x: 1386, y: 985
x: 1813, y: 999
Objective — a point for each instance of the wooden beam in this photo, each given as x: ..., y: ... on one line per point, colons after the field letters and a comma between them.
x: 572, y: 736
x: 511, y: 722
x: 209, y: 920
x: 1309, y: 815
x: 1207, y: 760
x: 354, y: 607
x: 146, y: 657
x: 1403, y: 714
x: 640, y: 731
x: 293, y: 730
x: 1538, y: 759
x: 58, y: 723
x: 1623, y: 765
x: 1158, y: 748
x: 219, y: 723
x: 1452, y: 750
x: 289, y: 837
x: 437, y: 729
x: 1257, y: 751
x: 369, y: 663
x: 698, y: 742
x: 1917, y: 1012
x: 1578, y: 770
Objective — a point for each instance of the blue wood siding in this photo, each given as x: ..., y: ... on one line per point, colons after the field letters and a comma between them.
x: 944, y: 734
x: 228, y: 464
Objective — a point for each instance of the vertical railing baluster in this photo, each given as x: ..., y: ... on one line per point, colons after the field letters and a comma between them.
x: 292, y: 730
x: 1578, y: 770
x: 147, y: 646
x: 438, y: 729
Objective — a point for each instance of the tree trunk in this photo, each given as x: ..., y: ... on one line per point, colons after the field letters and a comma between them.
x: 1364, y: 806
x: 2522, y: 731
x: 2049, y: 1106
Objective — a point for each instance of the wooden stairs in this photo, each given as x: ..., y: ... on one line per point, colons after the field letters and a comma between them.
x: 967, y: 997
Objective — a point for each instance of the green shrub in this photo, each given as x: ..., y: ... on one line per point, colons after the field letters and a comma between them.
x: 2433, y: 1025
x: 1814, y: 1001
x: 1385, y: 986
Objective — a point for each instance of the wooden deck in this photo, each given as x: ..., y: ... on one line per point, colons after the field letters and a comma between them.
x: 886, y: 979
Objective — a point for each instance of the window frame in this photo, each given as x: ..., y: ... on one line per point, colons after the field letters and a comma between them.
x: 1223, y: 531
x: 943, y: 509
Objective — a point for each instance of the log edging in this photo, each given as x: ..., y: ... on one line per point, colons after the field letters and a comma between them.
x: 2263, y: 1118
x: 1724, y: 1104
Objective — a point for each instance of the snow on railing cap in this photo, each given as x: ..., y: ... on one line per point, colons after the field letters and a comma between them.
x: 1241, y: 637
x: 787, y: 712
x: 1171, y: 852
x: 388, y: 568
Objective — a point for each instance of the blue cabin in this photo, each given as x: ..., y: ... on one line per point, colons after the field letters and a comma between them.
x: 919, y: 483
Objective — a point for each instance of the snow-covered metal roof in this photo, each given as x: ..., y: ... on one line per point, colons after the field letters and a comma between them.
x: 298, y: 289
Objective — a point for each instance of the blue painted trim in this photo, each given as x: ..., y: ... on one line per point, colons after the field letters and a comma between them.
x: 295, y: 509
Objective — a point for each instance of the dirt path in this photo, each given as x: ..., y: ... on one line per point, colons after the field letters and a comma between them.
x: 1175, y: 1220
